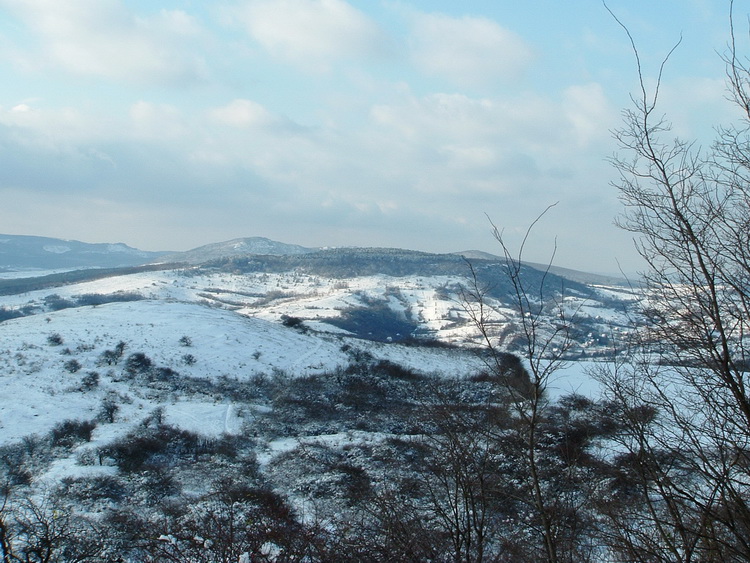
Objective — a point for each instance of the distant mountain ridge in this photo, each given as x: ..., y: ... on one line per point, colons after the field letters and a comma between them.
x: 21, y: 252
x: 236, y: 247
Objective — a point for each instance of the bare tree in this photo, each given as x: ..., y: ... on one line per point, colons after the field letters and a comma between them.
x: 6, y: 549
x: 544, y: 346
x: 689, y: 208
x: 464, y: 482
x: 45, y: 530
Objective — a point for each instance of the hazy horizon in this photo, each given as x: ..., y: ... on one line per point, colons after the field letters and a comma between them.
x: 175, y: 124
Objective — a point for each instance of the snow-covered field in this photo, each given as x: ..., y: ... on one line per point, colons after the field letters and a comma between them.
x: 432, y: 302
x: 219, y: 329
x: 150, y: 398
x: 39, y: 391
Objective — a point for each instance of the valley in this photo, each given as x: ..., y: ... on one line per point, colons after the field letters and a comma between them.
x: 305, y: 387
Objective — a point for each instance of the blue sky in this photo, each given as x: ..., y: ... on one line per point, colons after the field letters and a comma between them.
x: 172, y: 124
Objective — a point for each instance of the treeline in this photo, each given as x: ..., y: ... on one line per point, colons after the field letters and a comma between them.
x: 14, y: 286
x: 55, y: 302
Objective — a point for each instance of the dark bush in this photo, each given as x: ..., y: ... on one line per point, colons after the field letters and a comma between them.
x: 57, y: 303
x: 14, y: 464
x: 507, y: 370
x: 55, y: 340
x: 396, y: 371
x: 165, y: 374
x: 355, y: 481
x: 152, y: 448
x: 71, y: 432
x: 94, y: 488
x: 108, y: 411
x: 110, y: 357
x: 159, y: 484
x: 137, y: 363
x: 72, y: 366
x: 90, y: 381
x: 363, y: 391
x: 291, y: 322
x: 305, y: 398
x: 89, y: 299
x: 7, y: 314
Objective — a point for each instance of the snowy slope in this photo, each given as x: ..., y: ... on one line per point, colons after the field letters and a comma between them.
x: 431, y: 304
x: 224, y: 367
x: 232, y: 325
x: 39, y: 391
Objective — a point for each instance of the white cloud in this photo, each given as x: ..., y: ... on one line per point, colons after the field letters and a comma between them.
x: 310, y: 33
x: 589, y: 112
x: 68, y: 127
x: 468, y: 50
x: 102, y: 38
x: 242, y: 113
x: 52, y: 129
x: 158, y: 121
x: 473, y: 128
x: 695, y: 106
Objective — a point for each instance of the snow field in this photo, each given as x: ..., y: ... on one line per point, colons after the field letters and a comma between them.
x: 229, y: 325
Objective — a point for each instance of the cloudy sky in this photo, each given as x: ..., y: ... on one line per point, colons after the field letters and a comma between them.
x: 168, y: 124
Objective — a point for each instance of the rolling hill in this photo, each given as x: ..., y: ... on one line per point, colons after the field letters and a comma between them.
x: 144, y: 406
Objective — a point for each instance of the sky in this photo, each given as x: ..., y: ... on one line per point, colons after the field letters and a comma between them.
x: 415, y: 124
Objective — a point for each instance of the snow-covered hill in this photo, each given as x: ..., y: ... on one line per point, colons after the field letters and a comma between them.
x: 234, y: 323
x: 43, y: 253
x: 46, y: 358
x: 235, y: 247
x: 213, y: 326
x: 125, y: 394
x: 377, y: 306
